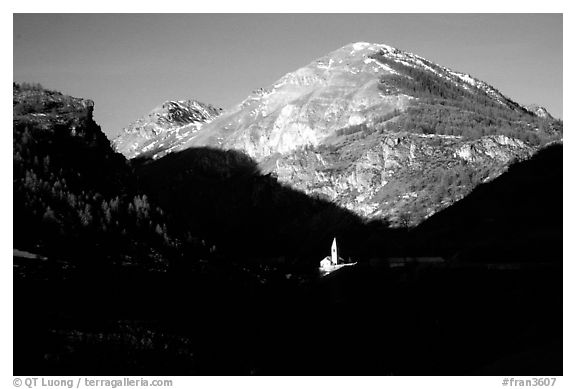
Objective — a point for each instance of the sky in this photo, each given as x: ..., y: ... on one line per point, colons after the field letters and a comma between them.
x: 130, y: 63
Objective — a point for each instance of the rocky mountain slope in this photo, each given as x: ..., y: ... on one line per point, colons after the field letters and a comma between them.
x: 383, y: 132
x: 344, y: 88
x: 73, y: 195
x: 164, y: 128
x: 402, y: 178
x: 503, y: 220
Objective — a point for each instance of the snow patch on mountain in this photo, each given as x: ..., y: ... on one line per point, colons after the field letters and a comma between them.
x: 164, y: 128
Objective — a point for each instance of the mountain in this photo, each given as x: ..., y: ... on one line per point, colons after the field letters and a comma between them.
x: 351, y: 86
x: 74, y: 197
x: 94, y: 232
x: 505, y: 220
x: 164, y: 128
x: 380, y: 131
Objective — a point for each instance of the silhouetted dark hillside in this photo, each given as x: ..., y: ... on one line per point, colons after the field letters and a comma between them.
x: 222, y: 195
x: 73, y: 195
x: 516, y: 217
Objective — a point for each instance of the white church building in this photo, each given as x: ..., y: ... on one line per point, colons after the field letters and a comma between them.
x: 333, y: 262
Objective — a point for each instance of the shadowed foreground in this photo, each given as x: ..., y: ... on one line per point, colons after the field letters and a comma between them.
x: 360, y: 320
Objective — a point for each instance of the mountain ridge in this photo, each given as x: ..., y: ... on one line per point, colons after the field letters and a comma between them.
x: 163, y: 127
x: 304, y: 76
x: 352, y: 103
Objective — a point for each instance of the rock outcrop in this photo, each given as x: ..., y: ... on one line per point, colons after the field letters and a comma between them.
x: 53, y: 111
x: 539, y: 111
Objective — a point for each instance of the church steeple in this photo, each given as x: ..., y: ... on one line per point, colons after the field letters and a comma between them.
x: 334, y: 252
x: 330, y: 264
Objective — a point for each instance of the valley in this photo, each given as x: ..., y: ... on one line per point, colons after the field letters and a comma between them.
x: 191, y: 244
